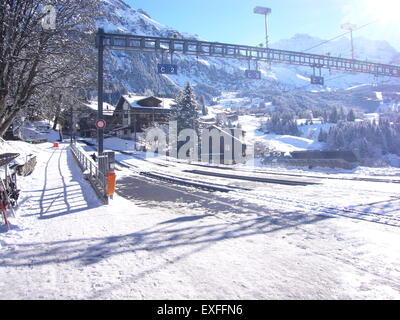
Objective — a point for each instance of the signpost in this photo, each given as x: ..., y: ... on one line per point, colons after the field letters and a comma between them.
x: 253, y: 74
x: 167, y: 68
x: 317, y: 80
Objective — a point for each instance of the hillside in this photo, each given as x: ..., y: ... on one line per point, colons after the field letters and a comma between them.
x: 136, y: 72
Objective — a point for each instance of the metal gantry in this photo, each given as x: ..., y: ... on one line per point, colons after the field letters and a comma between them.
x: 224, y: 50
x: 129, y: 42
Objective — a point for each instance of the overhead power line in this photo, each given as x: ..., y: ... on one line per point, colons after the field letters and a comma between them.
x: 337, y: 37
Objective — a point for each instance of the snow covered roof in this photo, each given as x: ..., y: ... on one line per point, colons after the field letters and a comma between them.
x: 108, y: 109
x: 133, y: 100
x: 208, y: 117
x: 227, y: 132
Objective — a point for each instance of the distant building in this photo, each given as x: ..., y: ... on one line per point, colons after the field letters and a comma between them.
x: 328, y: 159
x: 227, y: 115
x: 318, y: 154
x: 133, y: 114
x: 227, y: 144
x: 85, y: 117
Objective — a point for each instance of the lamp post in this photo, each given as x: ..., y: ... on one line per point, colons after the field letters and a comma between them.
x: 264, y: 11
x: 350, y: 27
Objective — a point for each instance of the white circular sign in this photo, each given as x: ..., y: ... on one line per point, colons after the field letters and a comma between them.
x: 100, y: 124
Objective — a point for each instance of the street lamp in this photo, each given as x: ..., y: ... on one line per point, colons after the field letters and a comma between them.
x: 350, y: 27
x: 264, y: 11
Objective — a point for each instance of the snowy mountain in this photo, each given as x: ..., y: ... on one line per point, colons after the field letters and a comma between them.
x: 136, y: 72
x: 365, y: 49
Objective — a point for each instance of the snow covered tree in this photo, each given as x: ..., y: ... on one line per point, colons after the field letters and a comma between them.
x: 323, y: 136
x: 185, y: 112
x: 185, y: 109
x: 325, y: 116
x: 351, y: 116
x: 204, y: 110
x: 282, y: 123
x: 341, y: 114
x: 370, y: 140
x: 333, y: 116
x: 35, y: 56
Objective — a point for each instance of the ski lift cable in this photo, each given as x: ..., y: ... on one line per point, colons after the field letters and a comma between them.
x: 329, y: 79
x: 342, y: 35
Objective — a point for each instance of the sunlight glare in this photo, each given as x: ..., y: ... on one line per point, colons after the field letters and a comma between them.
x: 386, y: 11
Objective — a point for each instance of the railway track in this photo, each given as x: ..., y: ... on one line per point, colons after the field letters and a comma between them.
x: 191, y: 183
x: 301, y: 205
x: 348, y: 212
x: 397, y: 181
x: 253, y: 179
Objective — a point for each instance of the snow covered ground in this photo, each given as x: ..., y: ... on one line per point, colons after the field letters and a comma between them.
x: 281, y: 143
x: 66, y: 245
x: 251, y: 125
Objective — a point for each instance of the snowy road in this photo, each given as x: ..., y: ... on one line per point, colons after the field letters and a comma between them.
x: 192, y: 244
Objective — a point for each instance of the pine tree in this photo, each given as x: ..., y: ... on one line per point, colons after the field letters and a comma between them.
x: 325, y: 116
x: 323, y: 136
x: 342, y: 114
x: 333, y: 117
x: 185, y: 112
x: 185, y: 109
x: 204, y: 110
x: 351, y: 116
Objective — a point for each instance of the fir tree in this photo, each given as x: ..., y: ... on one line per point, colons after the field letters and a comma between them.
x: 342, y: 114
x: 333, y: 117
x: 202, y: 106
x: 351, y: 116
x: 185, y: 112
x: 185, y: 109
x: 323, y: 136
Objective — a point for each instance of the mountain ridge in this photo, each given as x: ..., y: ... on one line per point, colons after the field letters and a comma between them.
x: 136, y: 72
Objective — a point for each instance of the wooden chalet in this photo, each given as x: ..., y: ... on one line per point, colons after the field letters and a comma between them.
x: 133, y: 114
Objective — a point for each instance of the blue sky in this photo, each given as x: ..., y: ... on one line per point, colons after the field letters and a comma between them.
x: 233, y: 21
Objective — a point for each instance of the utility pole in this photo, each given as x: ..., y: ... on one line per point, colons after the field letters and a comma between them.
x: 266, y: 32
x: 72, y: 125
x: 100, y: 47
x: 350, y: 27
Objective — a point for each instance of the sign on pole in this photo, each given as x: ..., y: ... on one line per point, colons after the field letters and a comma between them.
x: 317, y: 80
x: 101, y: 124
x: 253, y: 74
x: 167, y: 68
x: 262, y: 10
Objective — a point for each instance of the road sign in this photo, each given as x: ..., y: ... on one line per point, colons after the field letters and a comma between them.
x: 262, y: 10
x: 167, y: 69
x: 253, y: 74
x: 317, y: 80
x: 101, y: 124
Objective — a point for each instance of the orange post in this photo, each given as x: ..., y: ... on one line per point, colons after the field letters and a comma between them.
x: 111, y: 183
